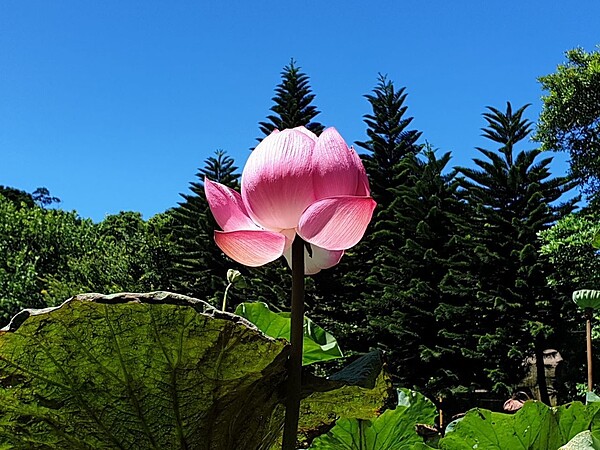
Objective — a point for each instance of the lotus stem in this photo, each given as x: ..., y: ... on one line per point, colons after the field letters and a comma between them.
x: 225, y: 297
x: 588, y: 328
x: 294, y: 383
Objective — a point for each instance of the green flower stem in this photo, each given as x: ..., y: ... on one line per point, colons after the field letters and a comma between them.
x: 292, y: 409
x: 225, y: 297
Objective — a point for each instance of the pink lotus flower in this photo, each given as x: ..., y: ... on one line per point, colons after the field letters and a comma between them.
x: 294, y: 183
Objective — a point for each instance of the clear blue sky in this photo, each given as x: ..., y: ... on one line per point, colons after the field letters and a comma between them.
x: 114, y: 105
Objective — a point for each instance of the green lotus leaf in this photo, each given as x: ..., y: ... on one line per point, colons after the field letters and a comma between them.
x: 138, y: 371
x: 586, y: 440
x: 534, y: 427
x: 587, y: 298
x: 591, y: 397
x: 361, y: 390
x: 319, y: 345
x: 392, y: 430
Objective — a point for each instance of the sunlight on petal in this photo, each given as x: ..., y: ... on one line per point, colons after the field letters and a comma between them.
x: 227, y: 207
x: 277, y: 181
x: 335, y: 166
x: 307, y: 132
x: 318, y: 260
x: 336, y: 223
x: 251, y: 248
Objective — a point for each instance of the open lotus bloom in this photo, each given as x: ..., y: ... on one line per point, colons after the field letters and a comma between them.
x: 294, y: 183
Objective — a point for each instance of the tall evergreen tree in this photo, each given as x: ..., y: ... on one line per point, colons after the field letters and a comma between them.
x: 514, y: 198
x: 200, y: 268
x: 293, y: 103
x: 418, y: 252
x: 293, y: 108
x: 342, y: 307
x: 390, y: 142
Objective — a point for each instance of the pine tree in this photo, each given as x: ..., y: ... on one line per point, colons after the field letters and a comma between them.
x: 514, y: 198
x: 293, y: 107
x: 200, y: 268
x: 389, y: 140
x: 293, y: 103
x: 419, y: 250
x: 342, y: 306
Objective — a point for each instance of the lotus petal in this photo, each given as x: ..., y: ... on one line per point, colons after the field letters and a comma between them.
x: 290, y: 235
x: 335, y: 166
x: 307, y: 132
x: 277, y: 181
x: 251, y: 247
x: 336, y: 223
x: 318, y: 260
x: 227, y: 207
x: 362, y: 188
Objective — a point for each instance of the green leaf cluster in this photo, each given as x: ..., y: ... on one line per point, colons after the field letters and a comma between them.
x: 570, y: 118
x: 47, y: 255
x: 395, y: 429
x: 534, y: 427
x: 568, y: 245
x: 319, y: 345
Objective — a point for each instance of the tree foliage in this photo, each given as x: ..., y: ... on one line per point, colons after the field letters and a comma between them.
x: 343, y: 292
x: 514, y: 198
x: 199, y: 268
x: 570, y: 118
x: 17, y: 196
x: 48, y: 255
x: 123, y: 253
x: 568, y: 245
x: 34, y: 244
x: 390, y: 142
x: 42, y: 197
x: 293, y: 103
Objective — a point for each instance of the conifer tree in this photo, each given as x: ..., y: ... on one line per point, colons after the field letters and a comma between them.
x: 293, y: 103
x: 200, y: 268
x: 342, y: 307
x: 514, y: 198
x: 419, y: 250
x: 293, y: 107
x: 390, y: 142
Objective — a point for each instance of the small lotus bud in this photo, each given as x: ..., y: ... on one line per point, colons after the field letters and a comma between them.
x: 235, y: 278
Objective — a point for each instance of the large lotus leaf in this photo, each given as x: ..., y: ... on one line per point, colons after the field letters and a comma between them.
x: 586, y: 440
x: 534, y: 427
x: 393, y: 430
x: 587, y: 298
x: 361, y: 390
x: 591, y: 397
x: 138, y: 371
x: 319, y: 345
